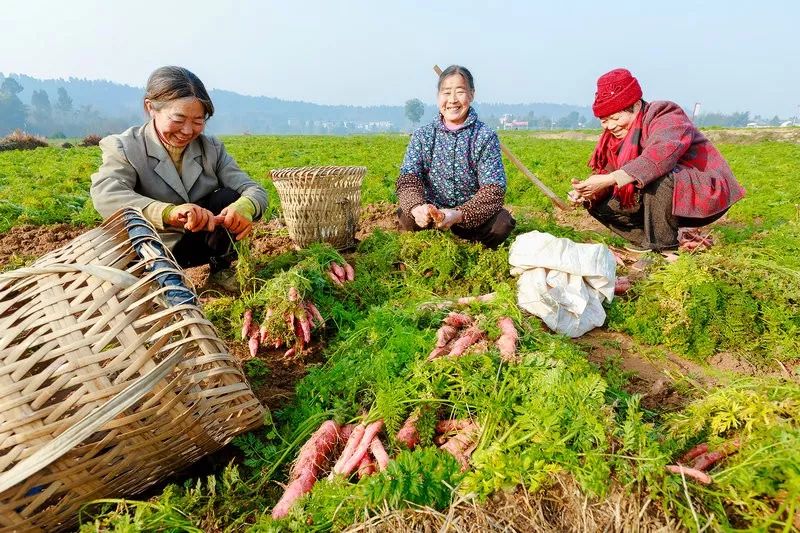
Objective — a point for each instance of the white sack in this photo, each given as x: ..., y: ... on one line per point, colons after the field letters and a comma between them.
x: 563, y: 282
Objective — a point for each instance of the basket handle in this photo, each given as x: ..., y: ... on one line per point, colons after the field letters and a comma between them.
x: 112, y: 275
x: 62, y: 444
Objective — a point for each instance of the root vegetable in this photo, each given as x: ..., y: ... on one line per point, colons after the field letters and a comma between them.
x: 294, y: 491
x: 247, y: 320
x: 709, y: 459
x: 293, y: 294
x: 409, y: 434
x: 302, y: 319
x: 438, y: 352
x: 351, y: 463
x: 435, y: 214
x: 263, y: 335
x: 453, y: 425
x: 507, y: 343
x: 379, y: 453
x: 350, y: 273
x: 700, y: 449
x: 253, y: 343
x: 693, y: 473
x: 462, y: 444
x: 290, y: 352
x: 485, y: 298
x: 314, y: 312
x: 339, y: 272
x: 622, y: 285
x: 315, y: 453
x: 336, y: 281
x: 457, y: 320
x: 470, y: 337
x: 352, y: 442
x: 444, y: 335
x: 366, y: 467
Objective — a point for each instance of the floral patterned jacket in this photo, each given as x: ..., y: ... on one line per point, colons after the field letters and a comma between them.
x: 461, y: 169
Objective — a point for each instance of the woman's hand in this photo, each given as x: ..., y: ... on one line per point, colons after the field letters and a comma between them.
x: 421, y: 214
x: 592, y: 185
x: 451, y: 216
x: 191, y: 217
x: 235, y: 222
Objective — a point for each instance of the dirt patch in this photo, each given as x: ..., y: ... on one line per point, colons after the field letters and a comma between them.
x: 652, y: 378
x: 381, y: 215
x: 579, y: 219
x: 29, y: 242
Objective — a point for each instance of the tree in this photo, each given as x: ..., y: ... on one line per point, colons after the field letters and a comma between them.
x: 41, y: 103
x: 12, y: 110
x: 414, y: 110
x: 64, y: 102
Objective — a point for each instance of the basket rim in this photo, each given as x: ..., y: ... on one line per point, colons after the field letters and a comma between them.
x: 318, y: 171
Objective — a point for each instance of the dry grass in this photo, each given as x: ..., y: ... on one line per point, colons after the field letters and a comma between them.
x: 20, y: 140
x: 561, y: 508
x: 91, y: 140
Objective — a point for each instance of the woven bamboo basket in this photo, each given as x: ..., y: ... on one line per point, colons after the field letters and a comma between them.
x: 320, y: 204
x: 110, y: 376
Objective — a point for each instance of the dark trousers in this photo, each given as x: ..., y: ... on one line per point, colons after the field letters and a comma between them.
x: 650, y: 222
x: 491, y: 233
x: 212, y: 247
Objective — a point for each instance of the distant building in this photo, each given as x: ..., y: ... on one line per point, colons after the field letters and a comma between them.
x: 508, y: 123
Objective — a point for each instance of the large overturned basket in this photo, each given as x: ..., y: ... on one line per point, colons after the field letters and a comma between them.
x: 320, y: 204
x: 110, y: 376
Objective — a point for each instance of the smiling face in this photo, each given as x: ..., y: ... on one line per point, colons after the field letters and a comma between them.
x: 180, y: 121
x: 455, y: 97
x: 619, y: 123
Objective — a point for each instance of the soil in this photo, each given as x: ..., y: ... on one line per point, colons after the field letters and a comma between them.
x: 27, y: 242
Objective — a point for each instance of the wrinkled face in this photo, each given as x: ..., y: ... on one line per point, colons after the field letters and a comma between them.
x: 179, y: 122
x: 455, y: 97
x: 620, y: 123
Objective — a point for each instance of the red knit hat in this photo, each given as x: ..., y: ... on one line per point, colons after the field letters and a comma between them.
x: 616, y: 90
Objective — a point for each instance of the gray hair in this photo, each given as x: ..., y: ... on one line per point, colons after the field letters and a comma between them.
x: 170, y: 83
x: 456, y: 69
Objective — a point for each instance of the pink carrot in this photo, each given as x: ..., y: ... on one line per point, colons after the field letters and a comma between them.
x: 253, y: 342
x: 453, y: 425
x: 462, y: 444
x: 302, y: 319
x: 349, y: 272
x: 312, y: 309
x: 484, y: 298
x: 263, y: 335
x: 339, y: 271
x: 316, y: 451
x: 444, y: 335
x: 457, y: 320
x: 361, y: 450
x: 366, y: 467
x: 470, y: 337
x: 293, y: 294
x: 507, y: 343
x: 438, y: 352
x: 379, y: 453
x: 352, y: 443
x: 622, y: 285
x: 336, y: 281
x: 409, y: 434
x: 294, y: 491
x: 289, y: 353
x: 700, y: 449
x: 693, y: 473
x: 247, y: 320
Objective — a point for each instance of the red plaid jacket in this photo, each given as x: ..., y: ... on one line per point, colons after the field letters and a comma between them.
x: 704, y: 183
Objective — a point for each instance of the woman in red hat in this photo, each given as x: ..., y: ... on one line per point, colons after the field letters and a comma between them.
x: 653, y: 171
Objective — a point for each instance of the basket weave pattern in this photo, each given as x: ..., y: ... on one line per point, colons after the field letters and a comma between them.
x: 107, y: 383
x: 320, y: 204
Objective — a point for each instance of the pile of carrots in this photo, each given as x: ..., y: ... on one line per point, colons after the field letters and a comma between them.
x: 363, y: 452
x: 460, y: 332
x: 702, y: 459
x: 301, y: 319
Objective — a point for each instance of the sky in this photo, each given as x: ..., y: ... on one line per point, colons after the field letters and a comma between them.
x: 729, y: 56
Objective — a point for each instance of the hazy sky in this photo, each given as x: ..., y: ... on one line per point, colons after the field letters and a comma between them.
x: 730, y: 56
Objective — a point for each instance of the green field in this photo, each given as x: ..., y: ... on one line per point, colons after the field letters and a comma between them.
x: 554, y: 415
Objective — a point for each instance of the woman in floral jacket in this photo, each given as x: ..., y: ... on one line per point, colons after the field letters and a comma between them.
x: 452, y: 175
x: 654, y: 172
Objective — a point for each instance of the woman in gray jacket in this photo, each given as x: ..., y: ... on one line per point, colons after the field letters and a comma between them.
x: 184, y: 182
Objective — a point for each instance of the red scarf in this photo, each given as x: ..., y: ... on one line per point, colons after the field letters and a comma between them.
x: 612, y: 153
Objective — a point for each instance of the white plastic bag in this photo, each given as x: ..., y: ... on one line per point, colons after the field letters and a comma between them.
x: 563, y: 282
